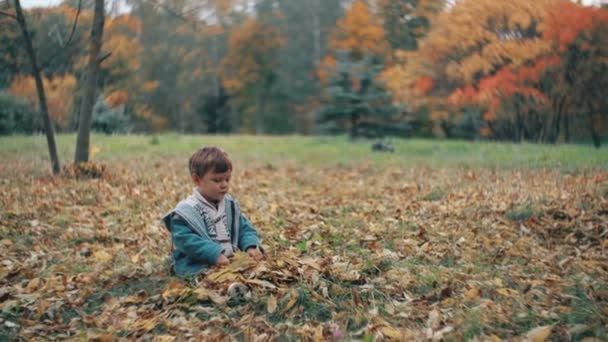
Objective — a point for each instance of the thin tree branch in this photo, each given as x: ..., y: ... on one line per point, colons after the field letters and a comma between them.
x: 74, y: 25
x: 12, y: 16
x: 182, y: 16
x: 103, y: 58
x: 63, y: 46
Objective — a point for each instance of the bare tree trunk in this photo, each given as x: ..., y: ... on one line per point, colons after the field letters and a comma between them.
x: 261, y: 108
x: 594, y: 135
x: 567, y: 129
x: 48, y: 125
x: 354, y: 125
x: 86, y: 110
x: 559, y: 110
x: 316, y: 33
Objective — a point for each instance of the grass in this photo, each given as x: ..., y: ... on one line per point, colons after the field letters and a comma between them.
x: 521, y: 212
x: 320, y: 151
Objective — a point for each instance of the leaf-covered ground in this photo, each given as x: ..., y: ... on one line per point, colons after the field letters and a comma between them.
x: 361, y: 250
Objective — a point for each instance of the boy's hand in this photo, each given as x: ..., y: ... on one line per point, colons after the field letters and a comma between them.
x: 255, y: 253
x: 222, y: 260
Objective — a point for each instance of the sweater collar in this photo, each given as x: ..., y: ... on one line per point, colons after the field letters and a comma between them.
x: 221, y: 206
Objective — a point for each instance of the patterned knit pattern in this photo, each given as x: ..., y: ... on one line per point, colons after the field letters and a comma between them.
x: 216, y: 222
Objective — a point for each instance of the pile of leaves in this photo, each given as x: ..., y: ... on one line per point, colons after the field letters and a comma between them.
x: 354, y: 252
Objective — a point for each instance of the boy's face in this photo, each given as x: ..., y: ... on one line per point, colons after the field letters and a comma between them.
x: 213, y: 185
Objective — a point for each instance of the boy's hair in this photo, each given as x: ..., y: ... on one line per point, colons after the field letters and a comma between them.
x: 207, y: 159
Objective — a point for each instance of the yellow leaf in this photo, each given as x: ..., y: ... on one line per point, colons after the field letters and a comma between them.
x: 318, y: 337
x: 539, y: 334
x: 102, y: 256
x: 292, y: 301
x: 507, y: 292
x: 391, y: 333
x: 471, y: 294
x: 272, y: 304
x: 102, y: 337
x: 494, y: 338
x: 93, y: 151
x: 33, y: 285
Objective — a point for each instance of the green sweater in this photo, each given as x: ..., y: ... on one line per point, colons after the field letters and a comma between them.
x: 193, y: 248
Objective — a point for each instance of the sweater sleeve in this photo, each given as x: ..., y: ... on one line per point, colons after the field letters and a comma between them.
x: 198, y: 248
x: 248, y: 236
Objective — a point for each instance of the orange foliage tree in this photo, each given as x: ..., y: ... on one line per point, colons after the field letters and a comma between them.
x: 580, y: 79
x: 250, y: 68
x: 479, y: 53
x: 359, y: 33
x: 59, y: 93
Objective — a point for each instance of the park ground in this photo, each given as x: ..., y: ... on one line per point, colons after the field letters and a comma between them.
x: 439, y: 240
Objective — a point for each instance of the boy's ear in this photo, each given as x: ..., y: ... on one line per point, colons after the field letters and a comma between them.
x: 195, y: 178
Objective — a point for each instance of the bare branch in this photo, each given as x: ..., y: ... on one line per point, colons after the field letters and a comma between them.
x: 63, y: 46
x: 75, y: 23
x: 183, y: 15
x: 103, y: 58
x: 12, y: 16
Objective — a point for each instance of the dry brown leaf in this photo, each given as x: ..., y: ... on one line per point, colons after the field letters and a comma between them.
x: 538, y: 334
x: 471, y: 294
x: 271, y: 304
x: 102, y: 256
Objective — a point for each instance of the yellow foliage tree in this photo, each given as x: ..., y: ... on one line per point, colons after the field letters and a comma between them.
x: 360, y: 32
x: 468, y: 45
x: 250, y: 67
x: 475, y: 38
x: 59, y: 93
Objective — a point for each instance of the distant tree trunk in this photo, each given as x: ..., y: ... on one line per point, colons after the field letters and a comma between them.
x: 559, y: 113
x: 259, y: 115
x: 90, y: 87
x: 594, y: 135
x: 567, y: 128
x: 316, y: 33
x: 354, y: 125
x: 48, y: 125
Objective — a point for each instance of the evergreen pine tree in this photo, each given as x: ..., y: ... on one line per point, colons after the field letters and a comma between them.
x: 357, y: 101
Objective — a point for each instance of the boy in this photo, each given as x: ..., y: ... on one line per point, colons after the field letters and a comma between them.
x: 208, y: 227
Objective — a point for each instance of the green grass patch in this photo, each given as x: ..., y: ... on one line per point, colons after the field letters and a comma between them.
x: 522, y: 212
x: 317, y: 150
x: 585, y: 310
x: 435, y: 195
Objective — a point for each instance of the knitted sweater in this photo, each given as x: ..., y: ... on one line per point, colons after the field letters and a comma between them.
x: 194, y: 243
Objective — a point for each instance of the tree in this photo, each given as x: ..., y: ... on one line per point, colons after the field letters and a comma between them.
x: 215, y: 113
x: 357, y: 100
x: 407, y: 21
x: 474, y: 54
x: 250, y: 66
x: 360, y: 33
x: 58, y: 91
x: 306, y: 25
x: 86, y: 109
x: 48, y: 125
x: 579, y: 33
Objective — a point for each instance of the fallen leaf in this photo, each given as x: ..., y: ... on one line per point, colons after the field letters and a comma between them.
x: 391, y: 333
x: 33, y: 285
x: 538, y: 334
x: 102, y: 256
x: 471, y: 294
x: 271, y: 304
